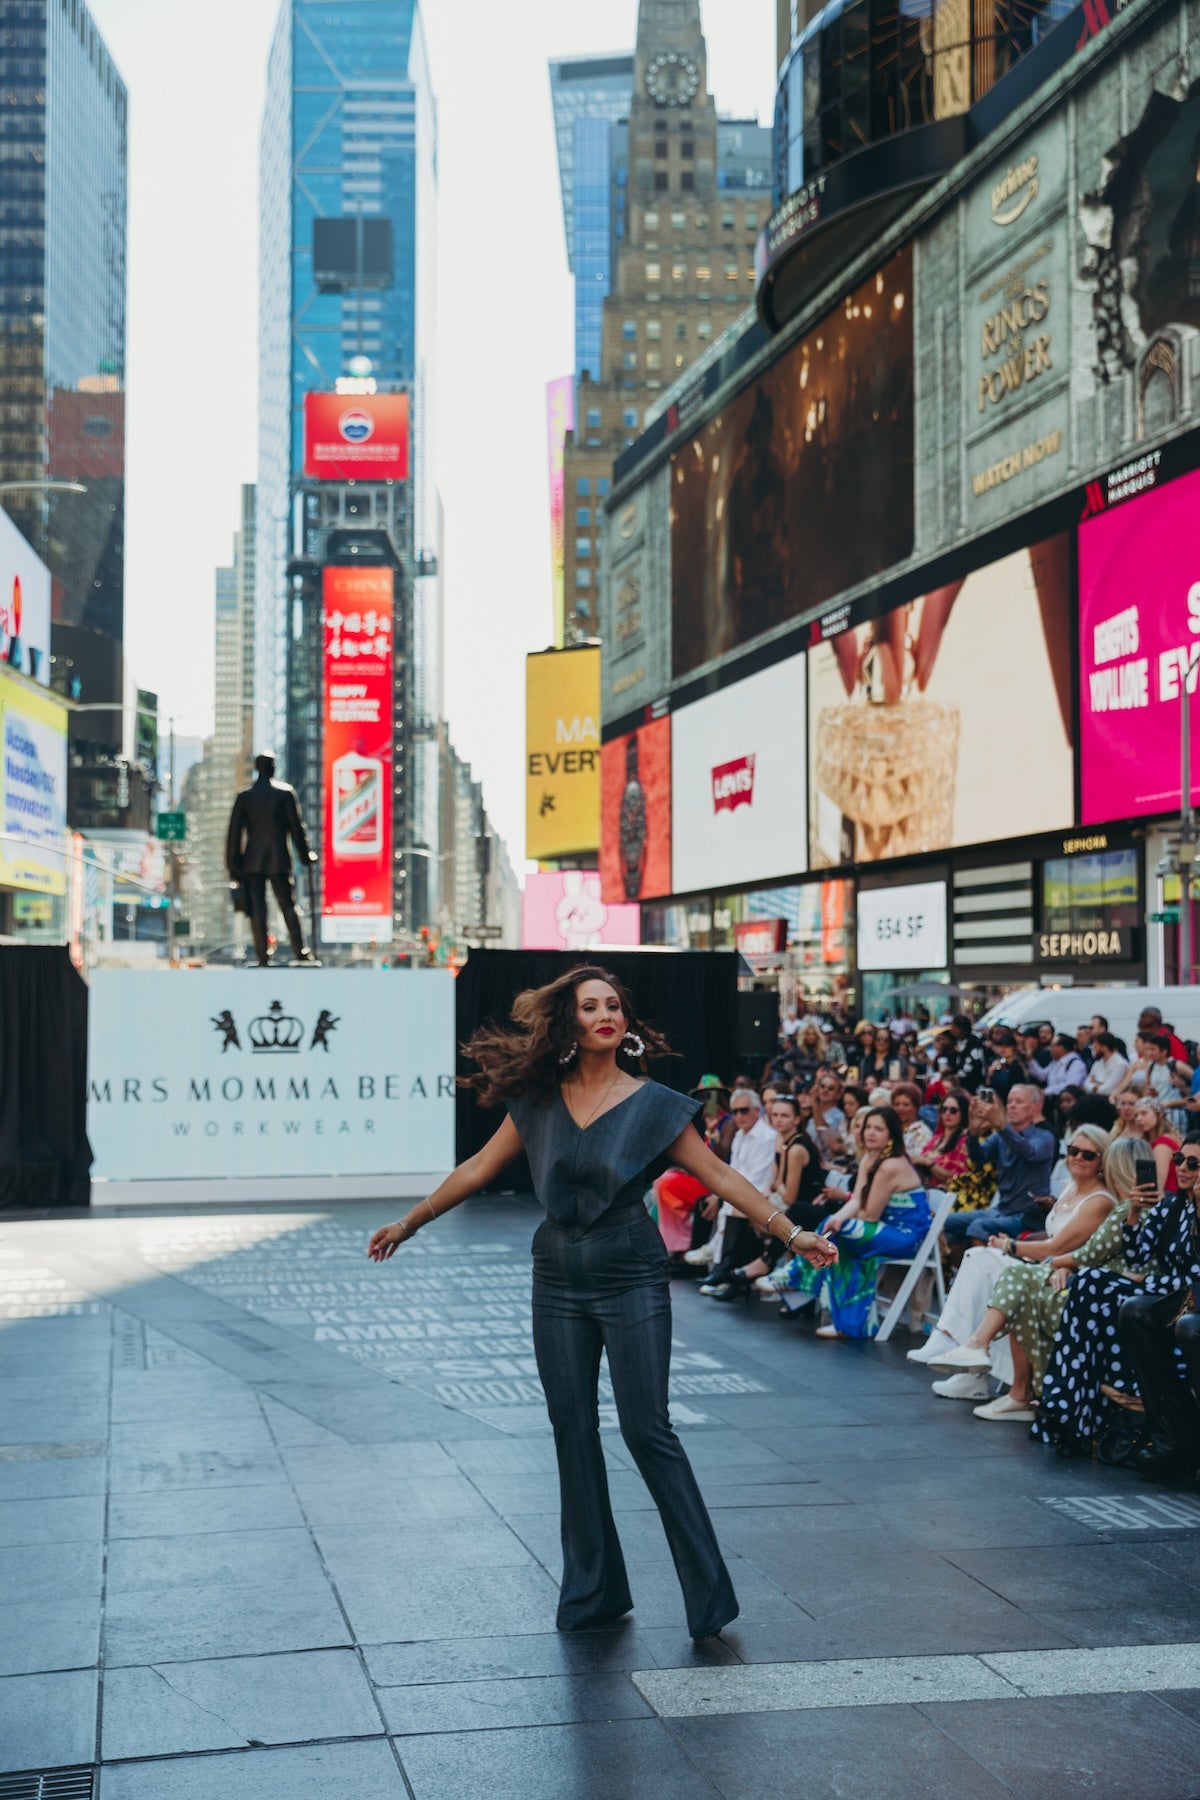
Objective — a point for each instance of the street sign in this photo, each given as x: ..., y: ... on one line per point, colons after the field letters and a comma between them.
x: 1168, y: 916
x: 483, y: 931
x: 170, y: 827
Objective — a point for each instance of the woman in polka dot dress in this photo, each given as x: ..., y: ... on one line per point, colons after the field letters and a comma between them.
x: 1162, y: 1245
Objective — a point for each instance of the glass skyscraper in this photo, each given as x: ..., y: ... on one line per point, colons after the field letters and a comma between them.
x: 589, y: 95
x: 62, y: 332
x: 349, y: 155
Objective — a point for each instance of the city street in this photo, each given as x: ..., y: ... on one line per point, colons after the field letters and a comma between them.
x: 280, y: 1524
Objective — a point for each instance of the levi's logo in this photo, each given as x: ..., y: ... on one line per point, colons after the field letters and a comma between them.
x: 733, y: 784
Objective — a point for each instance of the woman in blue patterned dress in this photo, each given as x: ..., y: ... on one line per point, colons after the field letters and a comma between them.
x: 1161, y: 1245
x: 887, y: 1215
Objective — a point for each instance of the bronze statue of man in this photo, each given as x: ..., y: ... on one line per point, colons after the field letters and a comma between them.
x: 263, y: 827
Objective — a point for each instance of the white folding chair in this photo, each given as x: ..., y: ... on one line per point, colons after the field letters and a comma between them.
x: 927, y: 1256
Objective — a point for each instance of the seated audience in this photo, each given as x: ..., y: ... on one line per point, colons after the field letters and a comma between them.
x: 906, y: 1100
x: 887, y: 1215
x: 1020, y: 1147
x: 1159, y: 1244
x: 1024, y: 1290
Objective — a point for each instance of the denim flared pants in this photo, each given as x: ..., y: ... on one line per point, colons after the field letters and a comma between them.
x: 605, y: 1288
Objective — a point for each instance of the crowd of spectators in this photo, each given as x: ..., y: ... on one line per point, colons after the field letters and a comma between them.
x: 1071, y: 1247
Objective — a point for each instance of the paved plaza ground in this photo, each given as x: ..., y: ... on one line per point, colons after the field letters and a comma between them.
x: 279, y: 1524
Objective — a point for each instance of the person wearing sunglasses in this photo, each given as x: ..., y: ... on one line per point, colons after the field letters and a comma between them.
x: 1159, y: 1245
x: 1159, y: 1335
x: 1029, y: 1291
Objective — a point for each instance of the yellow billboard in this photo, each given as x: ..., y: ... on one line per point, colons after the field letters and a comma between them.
x: 562, y: 753
x: 33, y: 787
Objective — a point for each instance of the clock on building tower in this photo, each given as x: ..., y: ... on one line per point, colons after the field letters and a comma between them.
x: 672, y: 79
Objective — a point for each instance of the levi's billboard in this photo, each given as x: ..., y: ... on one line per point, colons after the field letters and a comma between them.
x: 356, y: 437
x: 1139, y: 635
x: 357, y: 621
x: 738, y: 790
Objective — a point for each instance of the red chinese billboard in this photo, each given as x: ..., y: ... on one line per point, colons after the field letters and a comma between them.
x: 357, y: 755
x: 356, y: 437
x: 635, y: 814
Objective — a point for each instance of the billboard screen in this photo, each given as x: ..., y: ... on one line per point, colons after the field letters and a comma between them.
x: 356, y: 437
x: 738, y: 811
x: 564, y: 911
x: 1139, y: 629
x: 357, y: 754
x: 635, y: 814
x: 909, y: 712
x: 24, y: 605
x: 33, y: 788
x: 802, y: 486
x: 562, y: 763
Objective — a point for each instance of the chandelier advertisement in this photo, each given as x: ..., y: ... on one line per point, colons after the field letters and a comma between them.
x: 900, y: 757
x: 320, y: 1072
x: 357, y: 751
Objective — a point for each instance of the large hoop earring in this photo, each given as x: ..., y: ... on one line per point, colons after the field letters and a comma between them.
x: 568, y: 1056
x: 633, y: 1045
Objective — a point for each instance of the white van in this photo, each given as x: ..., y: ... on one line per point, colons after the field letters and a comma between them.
x: 1067, y: 1008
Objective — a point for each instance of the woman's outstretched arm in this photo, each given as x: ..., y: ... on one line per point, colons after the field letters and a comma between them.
x: 691, y: 1153
x: 467, y: 1179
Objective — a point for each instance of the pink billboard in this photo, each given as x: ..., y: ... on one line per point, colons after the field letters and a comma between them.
x: 564, y: 911
x: 1139, y: 632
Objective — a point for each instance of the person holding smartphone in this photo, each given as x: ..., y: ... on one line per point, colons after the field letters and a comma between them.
x: 1161, y: 1245
x: 1017, y: 1143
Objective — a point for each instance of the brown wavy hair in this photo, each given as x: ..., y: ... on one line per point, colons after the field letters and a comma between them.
x: 523, y: 1057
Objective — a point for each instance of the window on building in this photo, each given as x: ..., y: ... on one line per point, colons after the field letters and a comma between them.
x: 630, y: 417
x: 593, y: 417
x: 661, y: 148
x: 687, y: 147
x: 704, y: 328
x: 583, y: 547
x: 602, y: 485
x: 629, y: 328
x: 679, y: 271
x: 653, y: 271
x: 728, y: 222
x: 731, y: 271
x: 660, y: 180
x: 703, y: 272
x: 583, y: 485
x: 678, y: 221
x: 629, y: 360
x: 681, y: 328
x: 653, y: 328
x: 687, y: 181
x: 653, y: 359
x: 583, y: 578
x: 583, y: 515
x: 650, y: 220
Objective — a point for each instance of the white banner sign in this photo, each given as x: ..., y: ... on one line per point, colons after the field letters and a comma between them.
x: 249, y: 1073
x: 902, y: 927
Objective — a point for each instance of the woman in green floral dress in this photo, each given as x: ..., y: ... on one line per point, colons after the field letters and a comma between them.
x: 1028, y: 1299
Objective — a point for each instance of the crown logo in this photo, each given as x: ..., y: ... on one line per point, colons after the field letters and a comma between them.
x: 275, y: 1032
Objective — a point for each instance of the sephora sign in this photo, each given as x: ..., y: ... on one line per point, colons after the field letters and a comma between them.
x: 244, y: 1074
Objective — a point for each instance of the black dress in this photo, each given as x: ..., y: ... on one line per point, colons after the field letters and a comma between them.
x: 600, y: 1284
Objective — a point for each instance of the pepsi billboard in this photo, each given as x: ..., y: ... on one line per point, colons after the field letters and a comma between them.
x: 356, y: 437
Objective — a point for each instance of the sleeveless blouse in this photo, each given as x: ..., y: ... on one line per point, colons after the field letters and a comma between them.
x: 580, y: 1173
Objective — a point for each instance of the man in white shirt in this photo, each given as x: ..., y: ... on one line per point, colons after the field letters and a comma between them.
x: 1108, y: 1071
x: 752, y: 1154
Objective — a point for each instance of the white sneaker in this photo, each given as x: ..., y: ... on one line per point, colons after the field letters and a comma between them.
x: 714, y: 1289
x: 700, y: 1258
x: 963, y: 1387
x: 1005, y: 1407
x: 935, y: 1345
x: 966, y: 1356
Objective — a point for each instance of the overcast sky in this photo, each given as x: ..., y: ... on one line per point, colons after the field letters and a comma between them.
x: 196, y: 78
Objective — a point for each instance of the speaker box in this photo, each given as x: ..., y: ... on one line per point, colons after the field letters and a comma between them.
x: 757, y: 1024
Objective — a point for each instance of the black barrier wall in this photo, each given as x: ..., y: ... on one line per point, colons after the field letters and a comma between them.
x: 690, y: 996
x: 44, y: 1151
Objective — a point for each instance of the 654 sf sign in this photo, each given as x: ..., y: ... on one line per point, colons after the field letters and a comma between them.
x: 313, y: 1072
